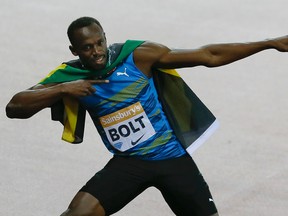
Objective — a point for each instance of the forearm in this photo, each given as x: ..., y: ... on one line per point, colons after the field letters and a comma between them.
x: 26, y: 103
x: 222, y: 54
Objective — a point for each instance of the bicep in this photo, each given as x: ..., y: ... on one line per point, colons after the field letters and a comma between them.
x: 184, y: 58
x: 153, y: 55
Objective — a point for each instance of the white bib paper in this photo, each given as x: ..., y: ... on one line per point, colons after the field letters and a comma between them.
x: 127, y: 127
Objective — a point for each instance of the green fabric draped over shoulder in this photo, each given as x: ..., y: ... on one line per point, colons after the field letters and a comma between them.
x: 67, y: 73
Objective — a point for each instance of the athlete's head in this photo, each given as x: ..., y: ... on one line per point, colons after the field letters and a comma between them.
x: 88, y: 41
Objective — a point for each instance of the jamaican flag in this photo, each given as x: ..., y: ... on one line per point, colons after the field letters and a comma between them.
x: 192, y: 122
x: 190, y: 119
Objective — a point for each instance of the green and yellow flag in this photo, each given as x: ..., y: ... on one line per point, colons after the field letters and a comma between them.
x: 192, y: 122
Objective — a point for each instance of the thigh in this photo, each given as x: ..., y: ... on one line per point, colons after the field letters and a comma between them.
x: 120, y: 181
x: 184, y: 188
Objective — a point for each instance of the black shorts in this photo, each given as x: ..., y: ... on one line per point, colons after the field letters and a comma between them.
x: 179, y: 181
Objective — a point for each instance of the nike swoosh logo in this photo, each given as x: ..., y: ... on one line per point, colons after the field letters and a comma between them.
x: 135, y: 142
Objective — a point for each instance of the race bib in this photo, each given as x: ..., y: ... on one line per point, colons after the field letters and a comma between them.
x: 127, y: 127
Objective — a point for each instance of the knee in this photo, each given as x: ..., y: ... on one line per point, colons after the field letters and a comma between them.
x: 84, y: 212
x: 84, y: 204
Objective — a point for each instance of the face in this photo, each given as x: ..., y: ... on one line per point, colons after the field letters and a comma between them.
x: 89, y: 43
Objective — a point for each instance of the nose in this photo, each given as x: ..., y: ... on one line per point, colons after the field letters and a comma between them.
x: 97, y: 49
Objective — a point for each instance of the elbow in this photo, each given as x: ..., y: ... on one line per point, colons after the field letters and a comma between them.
x: 10, y: 111
x: 215, y: 63
x: 18, y: 107
x: 214, y: 59
x: 14, y: 111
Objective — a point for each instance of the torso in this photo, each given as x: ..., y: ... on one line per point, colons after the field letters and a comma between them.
x: 129, y: 116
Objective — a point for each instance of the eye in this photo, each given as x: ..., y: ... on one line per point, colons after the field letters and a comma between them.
x: 87, y: 47
x: 100, y: 43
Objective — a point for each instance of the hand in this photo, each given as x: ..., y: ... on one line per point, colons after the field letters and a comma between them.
x: 280, y: 44
x: 80, y: 88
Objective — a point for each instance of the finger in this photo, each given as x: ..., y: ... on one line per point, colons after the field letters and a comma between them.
x: 87, y: 92
x: 91, y: 89
x: 98, y: 81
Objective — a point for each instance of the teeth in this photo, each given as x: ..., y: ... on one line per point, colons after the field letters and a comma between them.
x: 100, y: 58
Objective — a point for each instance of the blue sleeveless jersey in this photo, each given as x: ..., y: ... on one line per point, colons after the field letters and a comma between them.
x: 129, y: 117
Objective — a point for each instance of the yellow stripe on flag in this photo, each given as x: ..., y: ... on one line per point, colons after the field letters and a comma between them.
x: 71, y: 110
x: 62, y: 66
x: 170, y: 71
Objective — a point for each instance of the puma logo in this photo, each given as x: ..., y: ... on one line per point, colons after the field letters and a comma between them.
x: 123, y: 73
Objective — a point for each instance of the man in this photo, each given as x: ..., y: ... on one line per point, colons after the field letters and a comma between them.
x: 156, y: 158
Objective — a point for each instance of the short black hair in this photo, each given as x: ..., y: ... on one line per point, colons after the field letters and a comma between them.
x: 80, y: 23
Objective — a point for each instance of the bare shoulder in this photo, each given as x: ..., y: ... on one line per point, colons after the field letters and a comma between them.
x: 149, y: 49
x: 148, y: 54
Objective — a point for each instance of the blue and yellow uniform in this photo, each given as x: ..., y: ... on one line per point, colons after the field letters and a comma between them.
x: 129, y: 117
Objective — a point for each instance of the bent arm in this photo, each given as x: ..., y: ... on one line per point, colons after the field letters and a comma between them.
x: 27, y: 103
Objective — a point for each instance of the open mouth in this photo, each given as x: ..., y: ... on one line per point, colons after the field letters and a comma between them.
x: 99, y: 59
x: 97, y: 62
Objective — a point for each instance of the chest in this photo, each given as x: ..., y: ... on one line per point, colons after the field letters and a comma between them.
x: 127, y: 86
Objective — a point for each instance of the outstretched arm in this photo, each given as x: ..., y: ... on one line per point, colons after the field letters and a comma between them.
x: 158, y: 56
x: 222, y: 54
x: 27, y: 103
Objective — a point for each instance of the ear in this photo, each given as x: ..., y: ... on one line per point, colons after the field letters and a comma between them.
x: 104, y: 36
x: 73, y: 51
